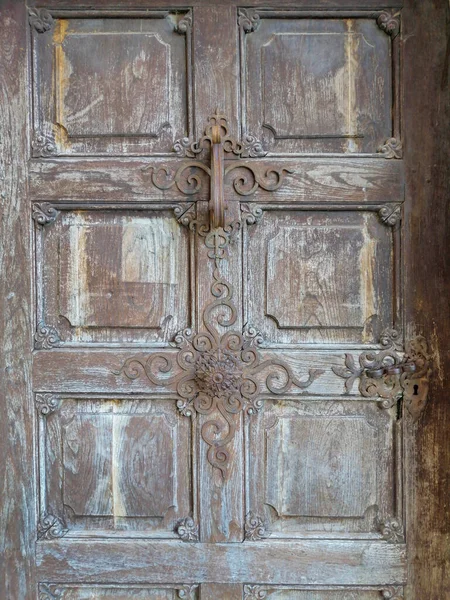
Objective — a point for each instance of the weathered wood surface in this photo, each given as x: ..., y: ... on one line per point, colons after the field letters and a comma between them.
x: 427, y: 289
x: 307, y: 4
x: 17, y: 489
x: 366, y: 180
x: 320, y: 562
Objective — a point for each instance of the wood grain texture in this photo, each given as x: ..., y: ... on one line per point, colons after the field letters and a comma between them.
x: 17, y: 508
x: 366, y: 180
x: 427, y: 287
x: 321, y: 562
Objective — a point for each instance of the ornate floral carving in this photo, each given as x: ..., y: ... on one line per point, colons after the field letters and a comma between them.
x: 40, y: 19
x: 389, y: 372
x: 249, y: 147
x: 187, y: 591
x: 255, y: 527
x: 44, y: 213
x: 392, y: 531
x: 248, y: 19
x: 390, y: 214
x: 185, y: 23
x: 392, y: 148
x: 187, y: 529
x: 49, y: 591
x: 389, y: 23
x: 254, y: 592
x: 51, y: 527
x: 392, y: 593
x: 46, y: 337
x: 44, y: 145
x: 47, y: 403
x: 252, y: 214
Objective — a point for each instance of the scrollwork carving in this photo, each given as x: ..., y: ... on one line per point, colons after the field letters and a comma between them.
x: 393, y: 592
x: 270, y: 181
x: 40, y: 19
x: 44, y: 145
x: 392, y: 531
x: 51, y: 527
x: 389, y: 23
x: 389, y: 373
x: 47, y: 403
x: 254, y: 592
x: 185, y: 23
x: 252, y: 214
x: 392, y: 148
x: 187, y: 530
x: 46, y: 337
x: 187, y: 591
x: 249, y: 147
x: 44, y: 213
x: 248, y: 19
x: 390, y: 214
x: 255, y: 527
x: 49, y: 591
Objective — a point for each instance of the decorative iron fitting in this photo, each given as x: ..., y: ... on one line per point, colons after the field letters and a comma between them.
x: 392, y: 373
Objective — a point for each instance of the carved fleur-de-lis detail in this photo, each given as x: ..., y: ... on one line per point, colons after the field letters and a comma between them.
x: 392, y: 530
x: 44, y: 213
x: 44, y: 145
x: 46, y: 337
x: 187, y: 591
x: 49, y: 591
x: 392, y: 592
x: 255, y: 527
x: 390, y: 214
x: 392, y: 148
x: 47, y: 403
x: 40, y: 19
x: 187, y: 529
x: 51, y: 527
x: 248, y: 19
x: 252, y: 214
x: 254, y: 592
x: 185, y: 23
x: 389, y: 23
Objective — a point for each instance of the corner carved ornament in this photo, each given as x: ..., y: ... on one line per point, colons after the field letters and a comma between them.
x: 392, y: 373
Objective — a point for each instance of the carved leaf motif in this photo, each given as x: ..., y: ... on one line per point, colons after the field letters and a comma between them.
x: 255, y: 527
x: 187, y: 530
x: 44, y: 213
x: 46, y: 337
x: 47, y: 403
x: 392, y: 531
x: 187, y: 591
x: 49, y: 592
x: 254, y: 592
x: 390, y: 215
x: 252, y: 214
x: 392, y: 593
x: 248, y: 19
x: 389, y: 23
x: 51, y: 527
x: 40, y: 19
x: 392, y: 148
x: 44, y: 145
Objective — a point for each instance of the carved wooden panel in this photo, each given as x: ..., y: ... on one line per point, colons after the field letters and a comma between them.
x: 313, y: 593
x: 108, y: 276
x: 117, y: 85
x: 112, y: 465
x: 316, y: 276
x: 55, y: 591
x: 322, y: 468
x: 316, y: 84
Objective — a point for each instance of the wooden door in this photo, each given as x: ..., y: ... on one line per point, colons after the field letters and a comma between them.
x: 218, y: 382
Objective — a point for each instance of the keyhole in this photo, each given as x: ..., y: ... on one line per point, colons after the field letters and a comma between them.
x: 416, y: 390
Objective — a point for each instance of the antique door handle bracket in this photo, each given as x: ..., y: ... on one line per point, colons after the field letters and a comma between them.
x: 217, y: 198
